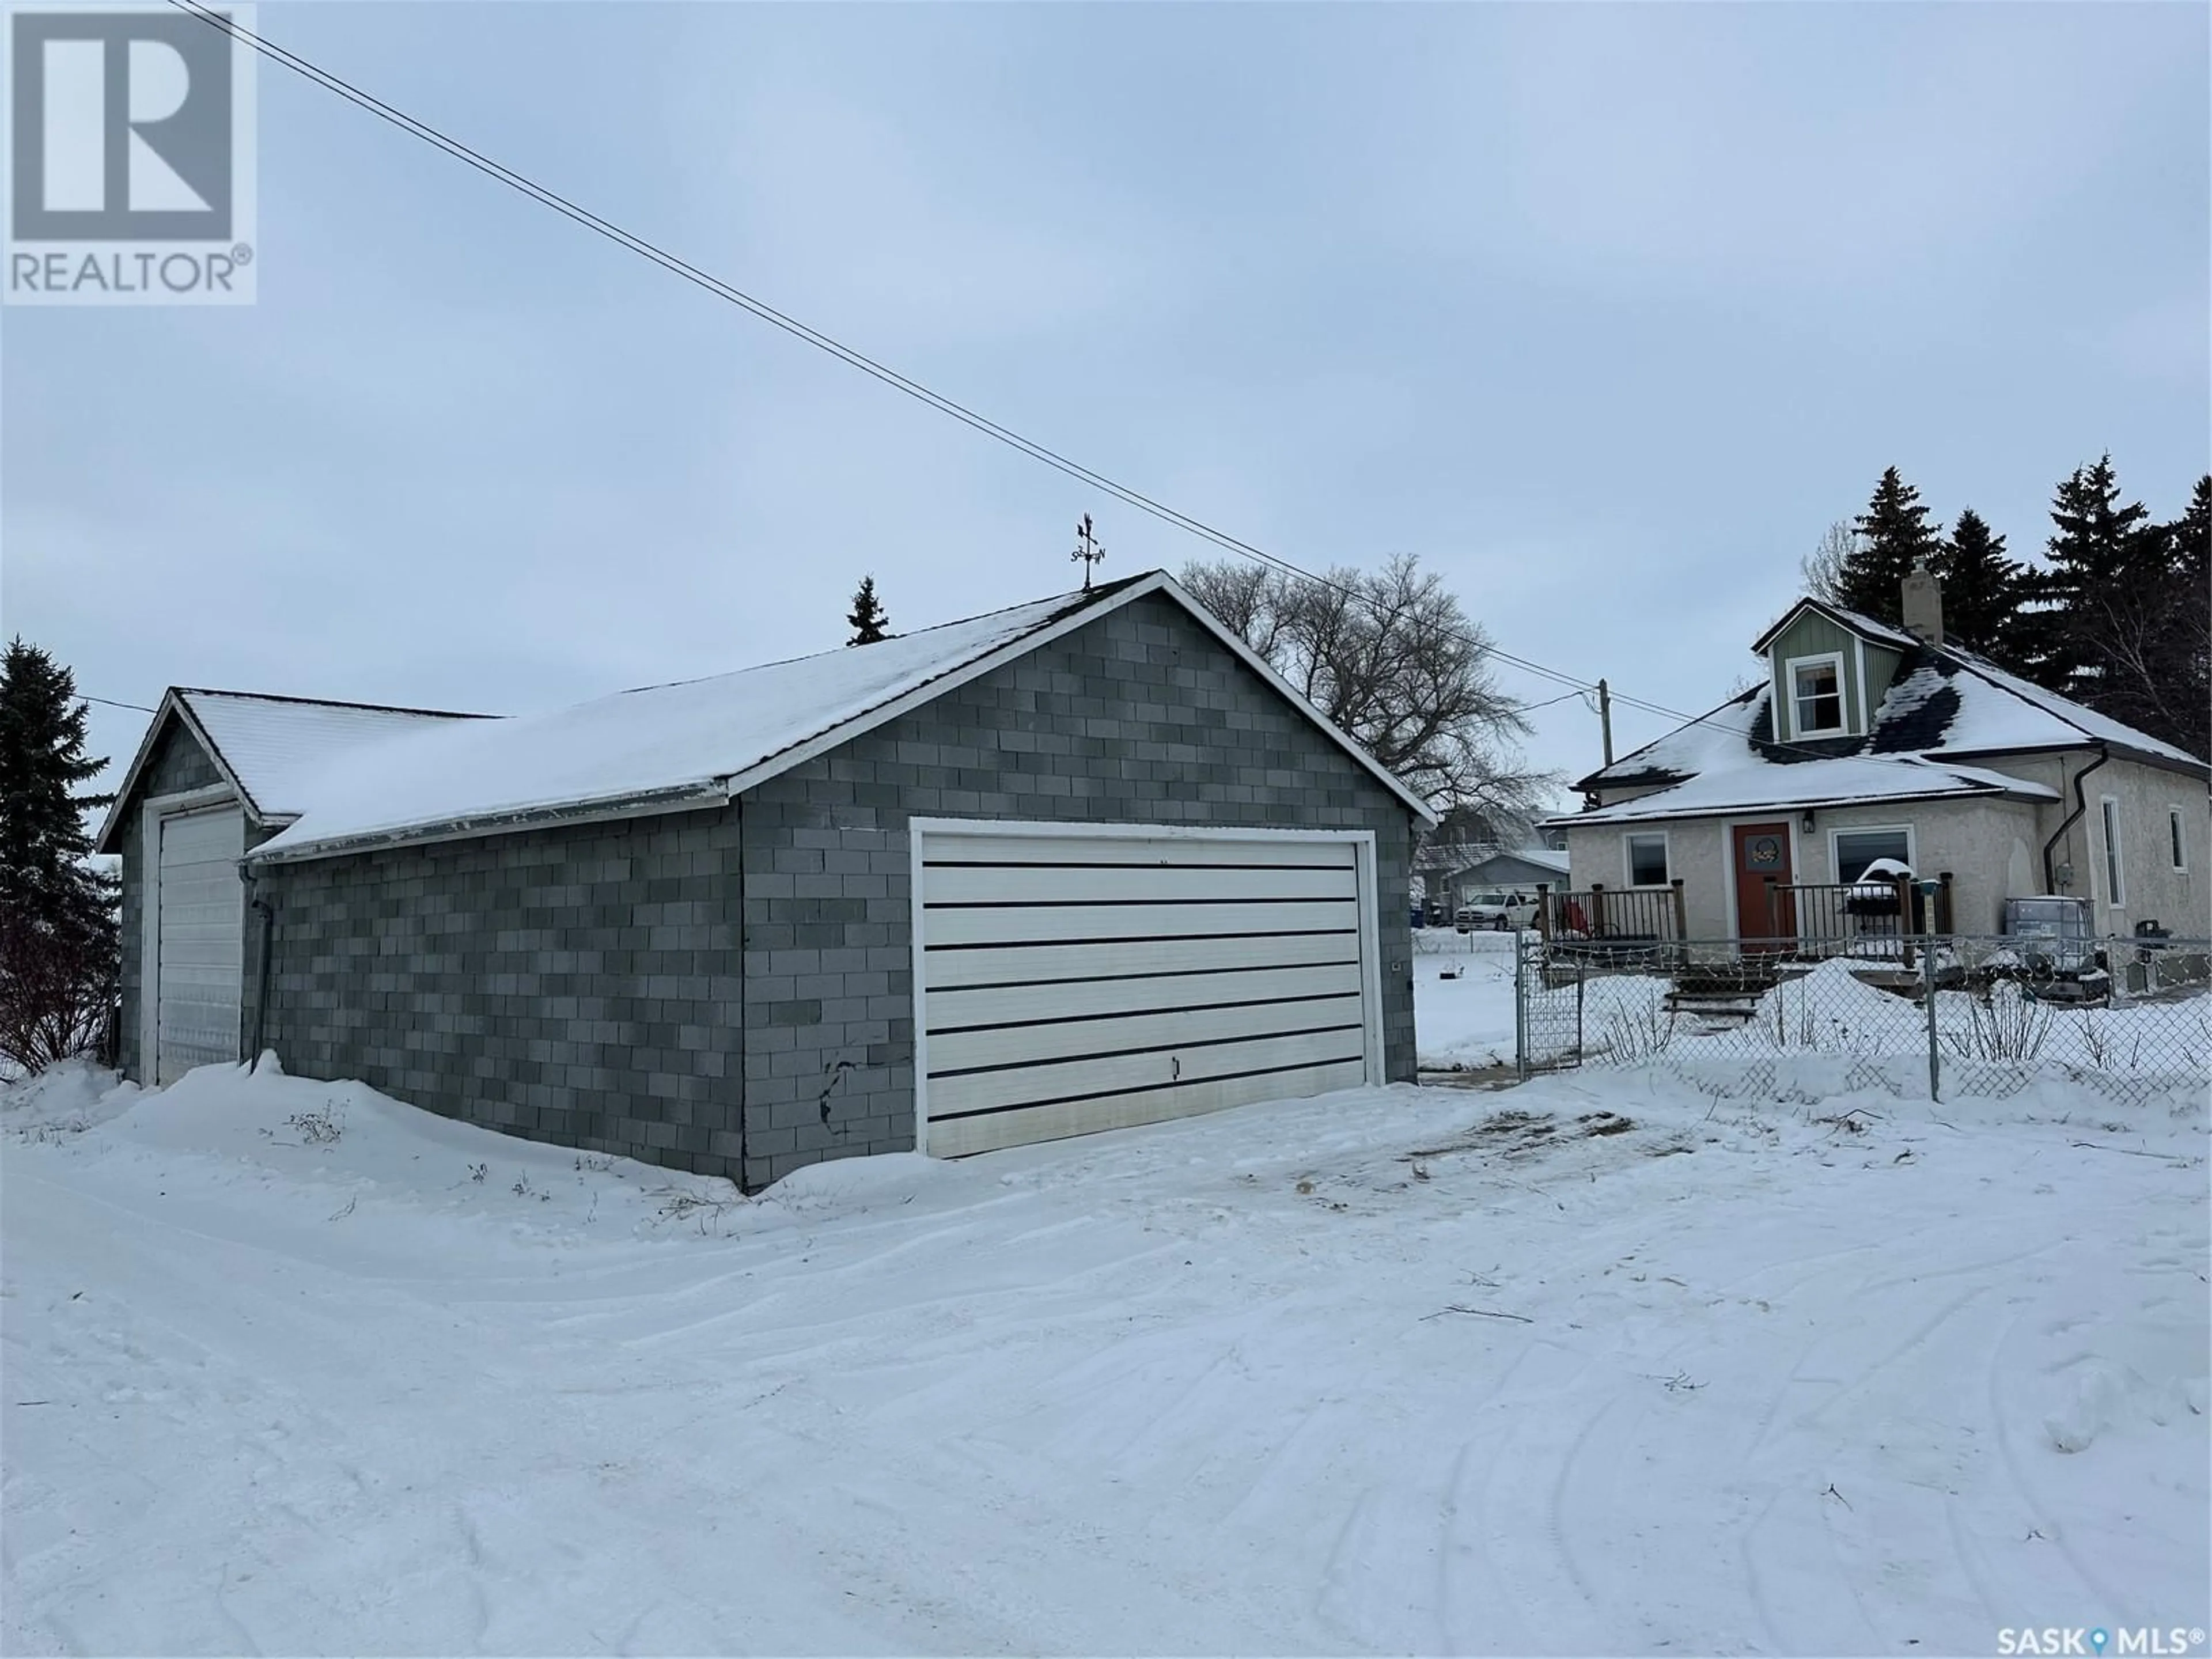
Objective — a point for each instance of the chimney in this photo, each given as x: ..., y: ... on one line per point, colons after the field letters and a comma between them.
x: 1923, y: 605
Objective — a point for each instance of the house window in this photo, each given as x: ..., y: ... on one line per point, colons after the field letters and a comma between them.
x: 2173, y: 834
x: 1855, y: 849
x: 1816, y: 695
x: 2116, y: 891
x: 1647, y: 860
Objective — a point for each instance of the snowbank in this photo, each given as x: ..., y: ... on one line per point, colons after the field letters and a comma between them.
x: 64, y: 1100
x: 1595, y: 1364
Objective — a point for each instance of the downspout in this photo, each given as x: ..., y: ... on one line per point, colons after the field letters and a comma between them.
x: 744, y: 1086
x: 267, y: 912
x: 2081, y: 807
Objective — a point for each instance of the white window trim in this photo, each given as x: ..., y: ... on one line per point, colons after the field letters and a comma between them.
x: 1834, y: 659
x: 1836, y: 832
x: 2177, y: 837
x: 2116, y: 863
x: 1628, y: 860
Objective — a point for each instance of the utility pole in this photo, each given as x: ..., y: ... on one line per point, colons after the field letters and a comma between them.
x: 1087, y: 550
x: 1605, y: 718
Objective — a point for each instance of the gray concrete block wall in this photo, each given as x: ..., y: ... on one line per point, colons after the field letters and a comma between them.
x: 731, y: 992
x: 576, y: 985
x: 1142, y: 717
x: 177, y: 763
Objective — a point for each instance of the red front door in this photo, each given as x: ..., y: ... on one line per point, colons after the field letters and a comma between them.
x: 1765, y: 920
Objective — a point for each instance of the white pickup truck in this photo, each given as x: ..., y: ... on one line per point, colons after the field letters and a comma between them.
x: 1497, y: 911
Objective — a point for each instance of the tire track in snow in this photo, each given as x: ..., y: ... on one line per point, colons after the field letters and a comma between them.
x: 1912, y: 1345
x: 1762, y: 1601
x: 1555, y: 1518
x: 1972, y: 1565
x: 2100, y: 1594
x: 1844, y: 1576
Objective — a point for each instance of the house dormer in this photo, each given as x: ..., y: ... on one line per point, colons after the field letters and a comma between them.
x: 1828, y: 669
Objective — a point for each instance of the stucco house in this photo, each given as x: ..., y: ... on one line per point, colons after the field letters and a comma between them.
x: 1865, y: 742
x: 1080, y: 864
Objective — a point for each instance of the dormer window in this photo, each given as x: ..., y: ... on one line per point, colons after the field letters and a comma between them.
x: 1816, y: 695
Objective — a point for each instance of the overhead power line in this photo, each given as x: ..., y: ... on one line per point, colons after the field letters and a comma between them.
x: 721, y: 289
x: 110, y: 703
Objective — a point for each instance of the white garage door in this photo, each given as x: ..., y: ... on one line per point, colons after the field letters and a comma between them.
x: 200, y: 920
x: 1094, y: 980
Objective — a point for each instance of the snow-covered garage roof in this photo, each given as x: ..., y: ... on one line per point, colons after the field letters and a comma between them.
x: 269, y: 749
x: 1543, y: 858
x: 695, y: 741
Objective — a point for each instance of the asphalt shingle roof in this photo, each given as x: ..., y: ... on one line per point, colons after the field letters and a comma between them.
x: 1945, y: 710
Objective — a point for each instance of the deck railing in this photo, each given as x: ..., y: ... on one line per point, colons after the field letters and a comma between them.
x: 1624, y: 915
x: 1804, y: 918
x: 1873, y: 917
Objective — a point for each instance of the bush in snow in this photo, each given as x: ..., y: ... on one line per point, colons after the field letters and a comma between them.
x: 2008, y: 1026
x: 1639, y: 1030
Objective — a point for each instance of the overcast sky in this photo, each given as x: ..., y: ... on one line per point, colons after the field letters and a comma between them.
x: 1605, y: 313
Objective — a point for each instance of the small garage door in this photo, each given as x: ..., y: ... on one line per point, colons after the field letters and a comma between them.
x: 1094, y: 980
x: 200, y: 920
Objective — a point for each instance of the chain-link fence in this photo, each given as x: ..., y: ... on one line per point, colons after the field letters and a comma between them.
x: 1939, y: 1016
x: 1461, y: 941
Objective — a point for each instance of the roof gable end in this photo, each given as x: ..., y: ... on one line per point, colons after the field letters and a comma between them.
x: 170, y: 714
x: 265, y: 746
x: 1874, y: 633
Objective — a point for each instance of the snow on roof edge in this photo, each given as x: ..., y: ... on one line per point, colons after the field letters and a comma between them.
x: 2057, y: 708
x: 180, y: 701
x: 1964, y: 782
x: 332, y: 702
x: 1857, y: 621
x: 1068, y: 612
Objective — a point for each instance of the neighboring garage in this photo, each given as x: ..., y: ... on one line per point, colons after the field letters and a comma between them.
x: 1079, y: 864
x: 1521, y: 871
x: 218, y: 772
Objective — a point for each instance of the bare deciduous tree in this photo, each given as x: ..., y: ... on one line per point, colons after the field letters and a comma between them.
x: 1390, y: 656
x: 1822, y: 569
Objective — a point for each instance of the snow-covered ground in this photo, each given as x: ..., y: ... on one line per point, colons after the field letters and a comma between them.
x: 1591, y: 1365
x: 1465, y: 1020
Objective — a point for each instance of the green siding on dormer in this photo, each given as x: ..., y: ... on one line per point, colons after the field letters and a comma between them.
x: 1812, y: 635
x: 1881, y: 666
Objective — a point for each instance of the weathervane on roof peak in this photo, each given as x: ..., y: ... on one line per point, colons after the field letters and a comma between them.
x: 1087, y: 549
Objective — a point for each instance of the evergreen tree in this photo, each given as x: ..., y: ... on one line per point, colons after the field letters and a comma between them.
x: 1981, y: 590
x: 2100, y: 556
x: 58, y: 958
x: 1893, y: 537
x: 867, y: 619
x: 2159, y: 666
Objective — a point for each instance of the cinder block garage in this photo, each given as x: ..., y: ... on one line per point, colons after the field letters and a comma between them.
x: 1079, y: 864
x: 219, y: 772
